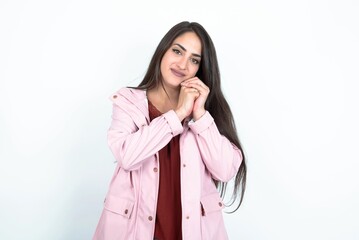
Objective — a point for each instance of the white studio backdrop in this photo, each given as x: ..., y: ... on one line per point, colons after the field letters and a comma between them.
x: 289, y: 71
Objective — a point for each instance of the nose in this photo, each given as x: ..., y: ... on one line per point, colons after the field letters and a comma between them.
x: 182, y: 63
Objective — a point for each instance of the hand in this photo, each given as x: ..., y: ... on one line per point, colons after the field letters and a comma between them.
x: 203, y: 90
x: 186, y: 101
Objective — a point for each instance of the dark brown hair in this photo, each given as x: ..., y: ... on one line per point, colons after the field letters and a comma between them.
x: 216, y: 104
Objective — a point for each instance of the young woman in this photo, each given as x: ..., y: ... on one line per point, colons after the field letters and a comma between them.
x: 176, y: 146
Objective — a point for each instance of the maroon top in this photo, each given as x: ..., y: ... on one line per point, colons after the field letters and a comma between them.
x: 169, y: 211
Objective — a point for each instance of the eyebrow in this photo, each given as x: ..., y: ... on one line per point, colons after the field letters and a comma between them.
x: 183, y: 48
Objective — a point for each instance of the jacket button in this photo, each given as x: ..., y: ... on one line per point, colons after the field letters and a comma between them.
x: 187, y: 217
x: 126, y: 211
x: 220, y: 204
x: 150, y: 218
x: 155, y: 169
x: 114, y: 96
x: 184, y: 165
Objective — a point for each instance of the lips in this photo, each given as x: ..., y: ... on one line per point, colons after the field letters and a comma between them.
x: 177, y: 73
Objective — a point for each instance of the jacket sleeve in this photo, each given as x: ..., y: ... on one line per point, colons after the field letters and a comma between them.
x: 132, y: 144
x: 221, y: 157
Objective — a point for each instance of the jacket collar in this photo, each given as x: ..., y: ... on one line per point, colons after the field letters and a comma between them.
x: 138, y: 98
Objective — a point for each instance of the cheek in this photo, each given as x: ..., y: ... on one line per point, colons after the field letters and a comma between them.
x: 166, y: 57
x: 165, y: 62
x: 194, y: 70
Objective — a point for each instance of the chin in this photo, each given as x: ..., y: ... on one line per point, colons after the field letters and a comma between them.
x: 173, y: 83
x: 176, y: 85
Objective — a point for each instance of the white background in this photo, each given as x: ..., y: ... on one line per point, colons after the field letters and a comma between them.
x: 290, y: 73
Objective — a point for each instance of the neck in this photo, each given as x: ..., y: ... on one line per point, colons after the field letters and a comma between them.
x: 169, y: 93
x: 163, y: 97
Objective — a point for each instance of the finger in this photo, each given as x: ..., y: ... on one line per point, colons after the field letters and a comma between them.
x: 190, y: 89
x: 194, y: 81
x: 191, y: 80
x: 200, y: 87
x: 193, y: 90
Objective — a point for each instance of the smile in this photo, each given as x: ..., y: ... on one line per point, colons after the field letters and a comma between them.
x: 177, y: 73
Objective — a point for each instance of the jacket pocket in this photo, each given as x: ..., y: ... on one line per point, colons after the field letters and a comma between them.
x: 212, y: 224
x: 118, y: 205
x: 115, y: 219
x: 211, y: 203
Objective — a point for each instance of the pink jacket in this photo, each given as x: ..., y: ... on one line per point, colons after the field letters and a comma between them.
x: 130, y: 205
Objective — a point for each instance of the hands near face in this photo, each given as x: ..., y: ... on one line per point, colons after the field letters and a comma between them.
x: 193, y: 96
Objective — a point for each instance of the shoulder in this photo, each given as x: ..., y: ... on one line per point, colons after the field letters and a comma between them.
x: 128, y: 94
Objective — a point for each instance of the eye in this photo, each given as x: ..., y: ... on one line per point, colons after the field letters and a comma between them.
x: 194, y: 61
x: 176, y: 51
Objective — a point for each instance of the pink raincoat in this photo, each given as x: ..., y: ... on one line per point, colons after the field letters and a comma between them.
x: 130, y: 205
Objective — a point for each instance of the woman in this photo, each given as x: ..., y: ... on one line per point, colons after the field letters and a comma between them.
x: 176, y: 146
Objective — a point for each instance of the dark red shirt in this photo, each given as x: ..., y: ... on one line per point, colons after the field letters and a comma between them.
x: 169, y: 211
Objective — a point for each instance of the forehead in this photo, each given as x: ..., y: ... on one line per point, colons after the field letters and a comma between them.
x: 190, y: 41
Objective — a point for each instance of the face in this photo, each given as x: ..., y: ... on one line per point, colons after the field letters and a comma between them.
x: 182, y: 60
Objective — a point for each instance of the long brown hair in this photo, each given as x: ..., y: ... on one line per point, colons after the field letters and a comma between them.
x: 216, y: 104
